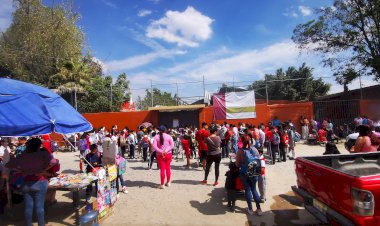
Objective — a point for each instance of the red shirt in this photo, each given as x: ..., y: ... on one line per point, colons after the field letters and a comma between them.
x: 46, y: 142
x: 200, y: 137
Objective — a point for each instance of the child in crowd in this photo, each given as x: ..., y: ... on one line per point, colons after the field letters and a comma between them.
x: 95, y: 159
x: 262, y: 181
x: 331, y: 149
x: 231, y: 176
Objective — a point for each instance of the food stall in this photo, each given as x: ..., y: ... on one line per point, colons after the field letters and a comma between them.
x: 29, y: 110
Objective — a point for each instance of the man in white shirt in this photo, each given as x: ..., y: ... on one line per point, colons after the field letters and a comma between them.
x: 132, y: 142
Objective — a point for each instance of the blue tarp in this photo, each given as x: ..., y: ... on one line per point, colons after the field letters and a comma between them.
x: 27, y: 109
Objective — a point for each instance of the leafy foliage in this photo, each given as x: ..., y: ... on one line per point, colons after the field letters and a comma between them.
x: 97, y: 94
x: 293, y: 84
x: 159, y: 99
x: 40, y: 41
x: 348, y: 36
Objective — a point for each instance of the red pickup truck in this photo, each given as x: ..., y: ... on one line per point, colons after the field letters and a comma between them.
x: 340, y: 189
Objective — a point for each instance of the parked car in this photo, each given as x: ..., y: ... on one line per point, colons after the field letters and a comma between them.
x: 351, y: 140
x: 340, y: 189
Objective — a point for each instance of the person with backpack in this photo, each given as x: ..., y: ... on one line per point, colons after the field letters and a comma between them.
x: 121, y: 164
x: 152, y: 151
x: 186, y: 142
x: 262, y: 184
x: 131, y: 141
x: 214, y: 154
x: 284, y: 143
x: 122, y: 143
x: 248, y: 160
x: 275, y: 141
x: 292, y: 142
x: 145, y: 144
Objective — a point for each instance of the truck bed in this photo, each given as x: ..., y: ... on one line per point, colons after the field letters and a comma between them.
x: 356, y: 165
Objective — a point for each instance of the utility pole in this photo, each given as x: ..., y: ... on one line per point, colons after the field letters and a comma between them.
x: 266, y: 89
x: 111, y: 97
x: 204, y: 89
x: 75, y: 97
x: 151, y: 90
x: 177, y: 94
x: 361, y: 91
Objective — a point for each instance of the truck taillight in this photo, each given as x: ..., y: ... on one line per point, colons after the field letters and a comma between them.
x: 363, y: 202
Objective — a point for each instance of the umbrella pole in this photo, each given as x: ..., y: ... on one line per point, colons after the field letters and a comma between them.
x: 80, y: 155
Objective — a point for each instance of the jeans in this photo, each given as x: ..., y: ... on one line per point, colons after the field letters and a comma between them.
x: 34, y: 196
x: 152, y: 156
x: 249, y: 185
x: 210, y: 160
x: 262, y: 184
x: 164, y: 164
x: 122, y: 182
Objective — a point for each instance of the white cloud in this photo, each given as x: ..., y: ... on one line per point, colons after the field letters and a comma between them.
x: 101, y: 63
x: 154, y: 1
x: 110, y: 4
x: 144, y: 12
x: 6, y: 10
x: 140, y: 60
x: 305, y: 11
x: 185, y: 28
x: 336, y: 88
x: 290, y: 12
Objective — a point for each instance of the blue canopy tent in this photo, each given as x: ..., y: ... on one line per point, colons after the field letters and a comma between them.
x: 27, y: 109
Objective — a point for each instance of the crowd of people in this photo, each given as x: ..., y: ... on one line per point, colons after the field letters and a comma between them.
x: 248, y: 147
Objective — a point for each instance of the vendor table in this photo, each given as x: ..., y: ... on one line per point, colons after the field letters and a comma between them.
x: 74, y: 189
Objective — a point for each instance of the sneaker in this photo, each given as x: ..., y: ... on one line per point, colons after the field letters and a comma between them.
x: 259, y: 212
x: 204, y: 182
x: 125, y: 191
x: 262, y: 200
x: 168, y: 184
x: 216, y: 184
x: 250, y: 212
x: 161, y: 187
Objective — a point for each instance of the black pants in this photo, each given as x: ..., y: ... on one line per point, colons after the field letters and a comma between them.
x: 209, y: 161
x: 145, y: 154
x: 132, y: 151
x: 224, y: 149
x: 231, y: 198
x: 283, y: 153
x: 123, y: 149
x: 193, y: 152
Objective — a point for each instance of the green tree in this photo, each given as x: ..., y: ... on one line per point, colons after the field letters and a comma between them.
x: 347, y: 35
x: 293, y: 84
x: 40, y: 41
x: 159, y: 99
x: 96, y: 96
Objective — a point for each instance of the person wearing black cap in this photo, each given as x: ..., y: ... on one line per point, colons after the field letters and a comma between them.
x: 163, y: 144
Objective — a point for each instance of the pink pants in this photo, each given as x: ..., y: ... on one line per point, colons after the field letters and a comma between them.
x: 164, y: 164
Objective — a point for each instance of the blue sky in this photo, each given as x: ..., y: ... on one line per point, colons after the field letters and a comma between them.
x: 180, y: 41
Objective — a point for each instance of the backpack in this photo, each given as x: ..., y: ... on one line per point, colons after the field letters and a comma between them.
x: 275, y: 139
x: 121, y: 165
x: 145, y: 143
x: 82, y: 144
x: 252, y: 164
x: 297, y: 137
x: 123, y: 141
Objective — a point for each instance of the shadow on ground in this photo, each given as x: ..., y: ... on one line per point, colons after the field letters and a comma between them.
x: 140, y: 184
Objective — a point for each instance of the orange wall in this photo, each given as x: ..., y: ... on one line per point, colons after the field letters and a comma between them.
x: 264, y: 114
x: 121, y: 119
x: 284, y: 112
x: 370, y: 108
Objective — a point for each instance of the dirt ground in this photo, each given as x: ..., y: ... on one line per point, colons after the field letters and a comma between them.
x: 186, y: 202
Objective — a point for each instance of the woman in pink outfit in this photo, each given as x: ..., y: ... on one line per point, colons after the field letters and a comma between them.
x: 163, y: 144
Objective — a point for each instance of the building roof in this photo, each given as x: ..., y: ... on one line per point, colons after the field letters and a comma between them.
x: 370, y: 92
x: 177, y: 108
